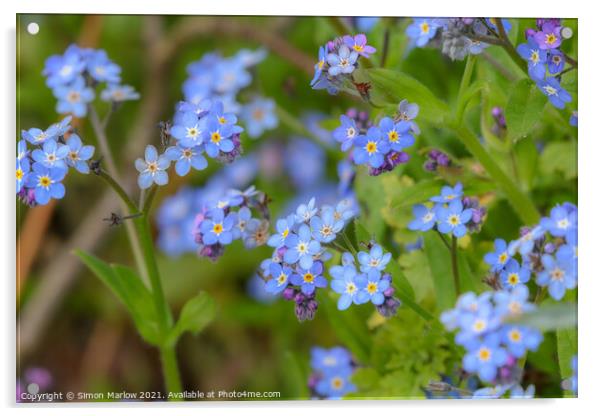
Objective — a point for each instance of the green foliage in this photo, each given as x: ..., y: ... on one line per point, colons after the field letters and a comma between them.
x: 405, y: 355
x: 524, y: 108
x: 560, y: 157
x: 128, y: 288
x: 550, y: 316
x: 196, y: 314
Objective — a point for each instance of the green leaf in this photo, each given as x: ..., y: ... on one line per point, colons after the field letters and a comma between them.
x: 524, y: 108
x: 561, y: 157
x: 567, y: 349
x: 196, y: 314
x: 398, y: 86
x: 550, y: 316
x: 295, y: 378
x: 130, y: 290
x: 414, y: 194
x: 440, y: 264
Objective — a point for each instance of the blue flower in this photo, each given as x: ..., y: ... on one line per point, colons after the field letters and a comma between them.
x: 519, y: 339
x: 63, y: 69
x: 370, y: 148
x: 255, y: 233
x: 346, y: 132
x: 449, y: 194
x: 425, y: 218
x: 574, y: 378
x: 243, y: 216
x: 217, y: 138
x: 61, y: 128
x: 375, y: 286
x: 217, y: 228
x: 319, y: 66
x: 36, y: 136
x: 555, y: 93
x: 51, y: 155
x: 46, y: 183
x: 22, y: 152
x: 186, y: 157
x: 557, y: 275
x: 485, y: 358
x: 396, y: 133
x: 283, y: 228
x: 348, y: 283
x: 325, y: 227
x: 567, y: 253
x: 476, y: 323
x: 499, y: 257
x: 188, y: 130
x: 451, y: 219
x: 280, y: 276
x: 305, y: 162
x: 514, y: 274
x: 342, y: 62
x: 305, y: 212
x: 574, y: 119
x: 301, y: 247
x: 73, y: 98
x: 102, y: 69
x: 119, y: 93
x: 422, y: 30
x: 408, y: 112
x: 336, y: 383
x: 309, y: 278
x: 555, y: 61
x: 513, y: 302
x: 259, y: 116
x: 524, y: 245
x: 152, y: 168
x: 22, y: 170
x: 536, y: 58
x: 223, y: 117
x: 375, y: 260
x: 229, y: 76
x: 325, y: 360
x: 560, y: 222
x: 78, y: 154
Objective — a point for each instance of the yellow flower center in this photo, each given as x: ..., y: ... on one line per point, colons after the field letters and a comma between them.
x: 308, y: 277
x: 218, y: 228
x: 502, y: 258
x: 371, y: 288
x: 535, y: 56
x: 336, y: 383
x: 285, y: 233
x: 302, y: 248
x: 515, y: 308
x: 557, y: 274
x: 550, y: 90
x: 350, y: 132
x: 513, y: 278
x: 216, y: 137
x: 344, y: 62
x: 479, y: 325
x: 424, y: 27
x: 351, y: 288
x: 427, y: 217
x: 281, y: 279
x: 221, y: 120
x: 550, y: 38
x: 454, y: 219
x: 393, y: 136
x: 326, y: 230
x: 358, y: 48
x: 371, y: 147
x: 258, y: 114
x: 515, y: 335
x: 44, y: 181
x: 73, y: 155
x: 73, y: 97
x: 563, y: 223
x: 321, y: 64
x: 19, y: 174
x: 152, y: 167
x: 187, y: 153
x: 192, y: 132
x: 484, y: 354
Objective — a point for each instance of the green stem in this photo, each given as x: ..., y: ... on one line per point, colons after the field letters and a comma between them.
x: 119, y: 191
x: 507, y: 45
x: 169, y: 362
x: 466, y: 77
x: 444, y: 240
x: 148, y: 201
x: 519, y: 201
x: 454, y: 261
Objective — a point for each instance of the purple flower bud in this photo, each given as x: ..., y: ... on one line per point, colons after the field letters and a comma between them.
x: 313, y: 380
x: 430, y: 165
x: 352, y: 113
x: 389, y: 292
x: 27, y: 196
x: 529, y: 32
x: 434, y: 154
x: 443, y: 160
x: 288, y: 293
x: 497, y: 111
x: 212, y: 252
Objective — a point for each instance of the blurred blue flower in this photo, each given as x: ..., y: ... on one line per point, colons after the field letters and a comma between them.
x: 119, y: 93
x: 425, y: 218
x: 73, y: 98
x: 346, y: 132
x: 259, y: 115
x: 102, y: 69
x: 558, y: 276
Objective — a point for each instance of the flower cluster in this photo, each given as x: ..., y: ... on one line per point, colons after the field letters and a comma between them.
x: 230, y: 218
x: 41, y: 168
x: 492, y: 345
x: 296, y: 268
x: 331, y: 373
x: 218, y: 78
x: 74, y: 75
x: 368, y: 284
x: 457, y: 37
x: 450, y: 213
x: 545, y: 60
x: 337, y: 60
x: 379, y: 147
x: 436, y: 158
x: 548, y: 250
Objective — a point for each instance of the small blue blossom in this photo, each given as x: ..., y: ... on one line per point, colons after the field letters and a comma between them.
x: 348, y: 283
x: 280, y: 277
x: 375, y: 260
x: 36, y: 136
x: 346, y: 132
x: 325, y: 227
x: 73, y: 98
x: 217, y: 138
x: 574, y: 119
x: 498, y: 259
x: 243, y: 217
x: 152, y: 168
x: 375, y: 286
x: 536, y: 58
x: 555, y: 61
x: 555, y: 93
x: 485, y: 358
x: 23, y: 168
x: 574, y: 378
x: 78, y: 154
x: 513, y: 302
x: 102, y: 69
x: 336, y: 383
x: 119, y: 93
x: 301, y: 248
x: 223, y: 117
x: 185, y: 157
x: 319, y: 66
x: 342, y: 62
x: 397, y: 134
x: 452, y: 219
x: 305, y: 212
x: 408, y: 112
x: 63, y: 69
x: 259, y: 116
x: 188, y: 130
x: 217, y: 228
x: 422, y: 30
x: 309, y: 278
x: 370, y: 148
x: 425, y: 218
x: 514, y: 274
x: 560, y: 222
x: 46, y: 183
x: 325, y: 360
x: 524, y: 245
x: 518, y: 339
x: 305, y: 162
x: 449, y: 194
x: 283, y: 228
x: 557, y: 275
x: 51, y: 155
